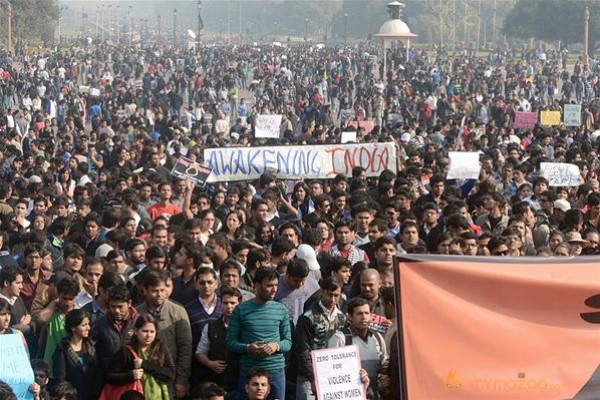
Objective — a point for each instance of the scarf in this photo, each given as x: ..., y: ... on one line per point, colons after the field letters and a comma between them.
x: 153, y: 389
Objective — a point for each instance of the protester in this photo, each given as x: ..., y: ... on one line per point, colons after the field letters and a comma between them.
x: 90, y: 133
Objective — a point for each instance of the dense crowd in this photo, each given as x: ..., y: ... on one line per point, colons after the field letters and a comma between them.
x: 120, y: 277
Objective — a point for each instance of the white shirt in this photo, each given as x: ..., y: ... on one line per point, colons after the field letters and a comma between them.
x: 209, y: 308
x: 82, y: 299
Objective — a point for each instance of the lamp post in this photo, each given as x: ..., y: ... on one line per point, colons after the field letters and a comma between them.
x: 158, y: 38
x: 117, y: 23
x: 305, y: 29
x: 109, y: 21
x: 586, y: 23
x: 200, y: 23
x: 345, y: 27
x: 174, y: 27
x: 129, y: 23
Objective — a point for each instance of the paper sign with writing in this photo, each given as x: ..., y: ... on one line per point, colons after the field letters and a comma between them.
x: 15, y: 368
x: 196, y: 172
x: 267, y: 126
x: 337, y: 373
x: 84, y: 89
x: 572, y: 114
x: 348, y: 136
x: 550, y: 118
x: 525, y: 120
x: 94, y: 92
x: 296, y: 162
x: 464, y: 165
x: 560, y: 174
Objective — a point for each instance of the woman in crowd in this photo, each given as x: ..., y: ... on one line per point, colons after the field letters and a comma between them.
x: 74, y: 360
x: 145, y: 359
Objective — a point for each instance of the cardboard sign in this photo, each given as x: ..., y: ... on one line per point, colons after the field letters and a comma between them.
x: 464, y: 165
x: 188, y: 169
x: 94, y: 92
x: 572, y: 114
x: 525, y: 120
x: 337, y: 373
x: 84, y: 89
x: 348, y: 136
x: 267, y: 126
x: 378, y: 323
x: 296, y: 162
x: 15, y: 368
x: 560, y: 174
x: 550, y: 118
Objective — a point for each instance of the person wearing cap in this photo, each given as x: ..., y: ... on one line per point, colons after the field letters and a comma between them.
x: 561, y: 206
x: 576, y: 242
x: 308, y: 254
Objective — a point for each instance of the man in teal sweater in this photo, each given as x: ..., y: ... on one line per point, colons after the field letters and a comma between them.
x: 260, y: 331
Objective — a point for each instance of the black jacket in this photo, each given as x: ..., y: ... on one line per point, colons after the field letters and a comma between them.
x: 109, y: 340
x: 312, y: 332
x: 121, y: 371
x: 80, y: 370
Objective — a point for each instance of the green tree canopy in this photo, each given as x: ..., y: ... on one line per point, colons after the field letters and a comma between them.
x: 552, y: 20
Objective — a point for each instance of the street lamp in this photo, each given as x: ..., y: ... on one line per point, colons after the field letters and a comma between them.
x: 117, y: 23
x: 174, y: 27
x: 200, y: 23
x: 305, y: 29
x: 345, y: 27
x: 158, y: 35
x: 129, y: 23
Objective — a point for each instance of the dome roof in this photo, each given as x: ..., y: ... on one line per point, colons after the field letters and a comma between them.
x: 395, y: 28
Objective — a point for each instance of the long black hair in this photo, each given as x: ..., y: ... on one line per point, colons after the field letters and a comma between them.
x: 156, y: 351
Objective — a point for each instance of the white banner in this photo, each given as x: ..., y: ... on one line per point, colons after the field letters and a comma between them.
x: 296, y: 162
x: 267, y: 126
x: 463, y: 165
x: 560, y: 174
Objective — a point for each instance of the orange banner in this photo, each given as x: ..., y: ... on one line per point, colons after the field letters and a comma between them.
x: 500, y: 328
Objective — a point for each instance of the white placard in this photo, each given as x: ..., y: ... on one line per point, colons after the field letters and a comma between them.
x: 337, y: 373
x: 267, y: 126
x: 560, y: 174
x: 84, y: 89
x: 94, y: 92
x: 464, y: 165
x: 348, y: 136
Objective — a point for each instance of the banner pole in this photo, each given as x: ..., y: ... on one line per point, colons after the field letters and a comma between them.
x: 403, y: 394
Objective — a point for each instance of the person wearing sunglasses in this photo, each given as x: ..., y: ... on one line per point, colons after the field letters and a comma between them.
x: 498, y: 246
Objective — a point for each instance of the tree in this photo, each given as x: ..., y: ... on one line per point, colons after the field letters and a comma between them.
x: 552, y: 20
x: 34, y: 21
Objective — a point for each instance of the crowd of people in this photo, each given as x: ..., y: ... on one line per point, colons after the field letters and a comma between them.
x: 127, y: 282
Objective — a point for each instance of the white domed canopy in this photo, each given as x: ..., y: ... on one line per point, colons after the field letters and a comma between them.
x: 395, y: 28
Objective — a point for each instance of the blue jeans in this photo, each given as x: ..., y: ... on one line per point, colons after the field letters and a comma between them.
x: 276, y: 380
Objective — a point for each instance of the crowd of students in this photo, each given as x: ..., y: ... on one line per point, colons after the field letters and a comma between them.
x: 122, y: 279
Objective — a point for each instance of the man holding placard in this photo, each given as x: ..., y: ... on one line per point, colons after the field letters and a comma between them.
x: 370, y: 344
x: 313, y: 331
